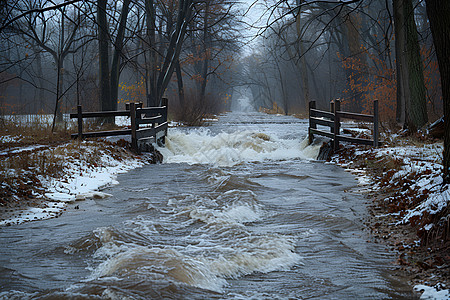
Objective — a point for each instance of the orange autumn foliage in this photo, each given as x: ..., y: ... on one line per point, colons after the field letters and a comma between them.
x: 376, y: 81
x: 134, y: 92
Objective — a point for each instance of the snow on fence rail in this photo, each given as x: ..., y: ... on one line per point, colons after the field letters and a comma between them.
x: 156, y: 116
x: 333, y: 118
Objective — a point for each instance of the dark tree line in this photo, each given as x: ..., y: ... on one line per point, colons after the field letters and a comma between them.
x: 356, y: 51
x: 80, y: 49
x: 324, y: 50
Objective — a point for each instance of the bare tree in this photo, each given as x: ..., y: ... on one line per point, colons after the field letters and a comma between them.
x: 438, y: 14
x: 410, y: 82
x: 55, y: 34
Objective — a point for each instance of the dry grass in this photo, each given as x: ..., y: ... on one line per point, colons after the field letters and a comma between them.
x: 274, y: 110
x: 194, y: 112
x: 22, y: 131
x: 30, y: 151
x: 21, y: 173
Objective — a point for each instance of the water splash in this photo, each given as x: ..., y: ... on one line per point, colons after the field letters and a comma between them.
x: 228, y: 149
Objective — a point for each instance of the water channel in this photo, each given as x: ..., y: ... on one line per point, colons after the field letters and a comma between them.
x: 238, y: 210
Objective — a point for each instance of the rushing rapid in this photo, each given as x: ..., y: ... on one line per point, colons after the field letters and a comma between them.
x: 238, y: 210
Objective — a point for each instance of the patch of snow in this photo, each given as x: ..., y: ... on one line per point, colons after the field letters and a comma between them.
x: 435, y: 203
x: 79, y: 182
x: 422, y: 160
x: 10, y: 139
x: 428, y: 227
x: 50, y: 210
x: 431, y: 293
x: 22, y: 149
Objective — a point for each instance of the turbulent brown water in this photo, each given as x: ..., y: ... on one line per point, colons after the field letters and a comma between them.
x: 239, y: 210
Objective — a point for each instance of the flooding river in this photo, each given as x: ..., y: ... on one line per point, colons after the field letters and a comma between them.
x: 239, y: 210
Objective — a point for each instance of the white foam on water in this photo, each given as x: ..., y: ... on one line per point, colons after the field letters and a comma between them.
x: 200, y: 146
x: 156, y: 263
x: 260, y: 254
x: 232, y: 207
x: 233, y: 214
x: 219, y: 248
x: 17, y: 295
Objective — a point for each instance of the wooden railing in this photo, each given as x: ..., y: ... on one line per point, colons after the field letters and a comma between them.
x: 333, y: 119
x: 156, y: 116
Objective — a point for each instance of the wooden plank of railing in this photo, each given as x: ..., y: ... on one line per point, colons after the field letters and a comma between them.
x: 145, y: 133
x: 149, y: 132
x: 320, y: 113
x: 334, y: 123
x: 103, y: 133
x: 151, y: 120
x: 162, y: 128
x: 322, y: 122
x: 321, y: 132
x: 137, y: 114
x: 151, y: 111
x: 355, y: 116
x: 100, y: 114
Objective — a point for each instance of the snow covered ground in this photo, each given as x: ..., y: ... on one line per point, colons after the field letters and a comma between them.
x: 81, y: 178
x: 424, y: 161
x: 413, y: 175
x: 431, y: 293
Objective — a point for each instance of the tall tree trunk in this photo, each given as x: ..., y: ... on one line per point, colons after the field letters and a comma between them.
x: 152, y: 97
x: 438, y: 14
x: 176, y: 41
x: 410, y: 81
x: 60, y: 93
x: 57, y: 119
x: 103, y: 43
x: 301, y: 53
x: 352, y: 28
x: 206, y: 58
x: 283, y: 90
x: 416, y: 107
x: 118, y: 46
x: 400, y: 62
x: 40, y: 96
x: 60, y: 64
x: 180, y: 85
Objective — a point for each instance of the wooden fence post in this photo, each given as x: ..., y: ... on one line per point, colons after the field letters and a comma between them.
x: 332, y: 111
x: 80, y: 122
x: 312, y: 105
x: 375, y: 124
x: 134, y: 144
x: 165, y: 102
x: 337, y: 124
